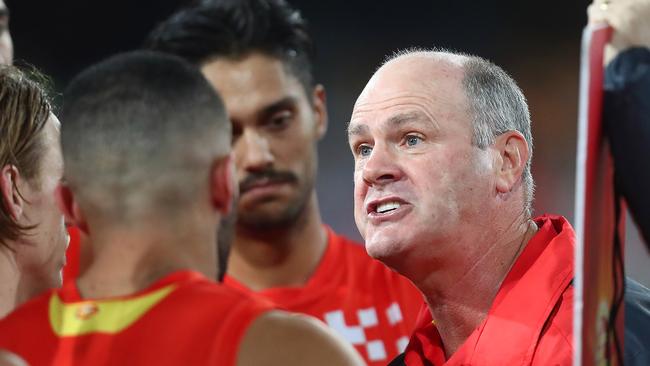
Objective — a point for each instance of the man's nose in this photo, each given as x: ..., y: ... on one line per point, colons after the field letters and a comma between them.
x: 381, y: 167
x: 254, y: 152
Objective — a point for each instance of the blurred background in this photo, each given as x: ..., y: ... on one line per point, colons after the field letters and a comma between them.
x: 538, y: 43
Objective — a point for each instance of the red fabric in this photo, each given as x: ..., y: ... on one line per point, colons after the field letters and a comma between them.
x: 530, y: 321
x: 200, y: 322
x: 350, y: 284
x: 72, y: 255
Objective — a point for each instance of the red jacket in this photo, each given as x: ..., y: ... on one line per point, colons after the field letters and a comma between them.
x: 531, y: 318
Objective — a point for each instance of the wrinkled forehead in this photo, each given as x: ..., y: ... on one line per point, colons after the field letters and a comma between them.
x: 416, y: 87
x: 425, y: 73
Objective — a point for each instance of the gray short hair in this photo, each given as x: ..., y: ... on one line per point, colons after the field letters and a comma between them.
x: 496, y: 104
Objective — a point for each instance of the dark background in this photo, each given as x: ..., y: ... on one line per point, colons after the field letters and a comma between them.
x: 536, y: 42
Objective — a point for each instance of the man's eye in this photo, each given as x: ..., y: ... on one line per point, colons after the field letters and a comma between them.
x: 280, y: 120
x: 364, y: 150
x: 412, y: 140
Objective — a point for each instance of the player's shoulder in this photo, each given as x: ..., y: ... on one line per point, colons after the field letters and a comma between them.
x: 31, y: 315
x: 32, y: 307
x: 354, y: 253
x: 206, y: 297
x: 346, y: 246
x: 210, y: 291
x: 280, y: 338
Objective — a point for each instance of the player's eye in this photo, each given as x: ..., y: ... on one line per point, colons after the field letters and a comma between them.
x: 280, y: 120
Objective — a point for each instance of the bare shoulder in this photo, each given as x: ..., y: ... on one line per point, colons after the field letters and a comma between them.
x: 280, y: 338
x: 9, y: 359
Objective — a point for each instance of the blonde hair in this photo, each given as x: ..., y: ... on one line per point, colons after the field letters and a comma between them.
x: 24, y: 109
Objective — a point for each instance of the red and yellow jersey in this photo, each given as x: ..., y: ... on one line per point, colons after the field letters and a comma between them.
x: 183, y: 319
x: 368, y: 304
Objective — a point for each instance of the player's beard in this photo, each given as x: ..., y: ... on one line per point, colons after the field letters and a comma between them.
x: 224, y: 240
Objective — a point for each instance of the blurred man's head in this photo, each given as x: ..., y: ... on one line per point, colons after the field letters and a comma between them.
x: 146, y: 142
x: 441, y: 141
x: 31, y: 226
x: 258, y: 54
x: 6, y: 44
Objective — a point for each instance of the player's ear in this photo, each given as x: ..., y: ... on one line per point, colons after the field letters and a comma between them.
x: 11, y: 198
x: 319, y: 103
x: 68, y: 206
x: 513, y: 155
x: 222, y: 184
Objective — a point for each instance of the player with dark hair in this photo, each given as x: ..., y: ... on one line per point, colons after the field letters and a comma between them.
x: 148, y: 177
x: 258, y: 54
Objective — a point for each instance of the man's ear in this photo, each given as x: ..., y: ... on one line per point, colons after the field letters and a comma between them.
x: 222, y: 184
x: 513, y: 155
x: 69, y: 207
x: 11, y: 198
x: 319, y: 102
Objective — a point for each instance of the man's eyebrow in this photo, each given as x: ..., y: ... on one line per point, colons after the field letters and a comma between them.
x: 393, y: 121
x: 281, y: 104
x: 357, y: 129
x: 402, y: 118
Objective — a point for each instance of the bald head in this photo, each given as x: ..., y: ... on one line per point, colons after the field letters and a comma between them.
x: 420, y: 73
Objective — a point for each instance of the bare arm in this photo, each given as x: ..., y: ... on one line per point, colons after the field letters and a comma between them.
x: 280, y: 339
x: 9, y: 359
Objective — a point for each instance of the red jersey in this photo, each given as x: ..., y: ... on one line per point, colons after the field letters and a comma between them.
x: 531, y: 318
x: 368, y: 304
x: 182, y: 319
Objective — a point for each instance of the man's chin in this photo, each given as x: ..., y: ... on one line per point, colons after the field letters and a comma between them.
x: 269, y: 218
x: 382, y: 247
x: 264, y: 223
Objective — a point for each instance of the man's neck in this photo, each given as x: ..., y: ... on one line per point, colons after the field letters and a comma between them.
x: 128, y: 260
x: 15, y: 287
x: 9, y: 283
x: 459, y: 301
x: 281, y: 257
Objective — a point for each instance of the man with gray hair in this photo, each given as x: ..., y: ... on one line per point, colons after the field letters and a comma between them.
x: 443, y: 190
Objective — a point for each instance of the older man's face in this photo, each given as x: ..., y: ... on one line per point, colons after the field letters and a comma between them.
x: 418, y: 179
